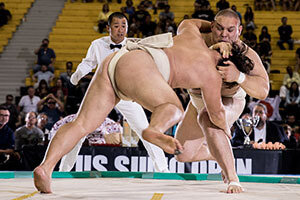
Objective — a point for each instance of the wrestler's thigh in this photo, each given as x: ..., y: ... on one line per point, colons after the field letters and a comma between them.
x: 233, y: 108
x: 138, y: 78
x: 98, y: 101
x: 188, y: 129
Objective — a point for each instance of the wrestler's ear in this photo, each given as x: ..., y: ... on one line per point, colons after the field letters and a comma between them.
x: 212, y: 24
x: 240, y: 29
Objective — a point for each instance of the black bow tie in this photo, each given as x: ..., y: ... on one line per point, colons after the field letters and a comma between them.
x: 112, y: 46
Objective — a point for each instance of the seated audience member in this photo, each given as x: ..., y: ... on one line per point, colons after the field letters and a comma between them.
x: 5, y: 15
x: 285, y: 33
x: 234, y: 8
x: 264, y: 34
x: 52, y: 107
x: 291, y: 143
x: 166, y: 14
x: 66, y: 76
x: 28, y: 103
x: 29, y: 134
x: 250, y: 38
x: 42, y: 120
x: 292, y: 99
x: 222, y: 5
x: 128, y: 10
x: 140, y: 17
x: 249, y: 18
x: 43, y: 89
x: 7, y: 140
x: 149, y: 27
x: 103, y: 17
x: 286, y: 5
x: 289, y: 77
x: 160, y: 4
x: 45, y: 56
x: 13, y: 110
x: 203, y: 11
x: 43, y: 75
x: 269, y: 134
x: 296, y: 5
x: 60, y: 91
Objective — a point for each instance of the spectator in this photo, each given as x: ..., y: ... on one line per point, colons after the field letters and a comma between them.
x: 148, y: 5
x: 65, y: 76
x: 7, y: 140
x: 203, y: 12
x: 52, y: 107
x: 264, y: 4
x: 149, y: 27
x: 285, y: 31
x: 43, y: 89
x: 103, y: 17
x: 28, y: 103
x: 296, y: 5
x: 160, y: 4
x: 233, y: 7
x: 292, y: 99
x: 13, y: 110
x: 5, y: 15
x: 264, y: 34
x: 140, y: 16
x: 129, y: 10
x: 250, y: 38
x: 60, y: 91
x: 249, y: 18
x: 222, y: 4
x: 265, y: 132
x: 42, y: 120
x: 286, y: 5
x: 43, y: 75
x: 292, y: 142
x: 29, y: 134
x: 166, y: 14
x: 45, y: 56
x: 288, y: 78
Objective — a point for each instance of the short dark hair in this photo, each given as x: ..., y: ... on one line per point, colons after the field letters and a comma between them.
x: 228, y: 13
x: 2, y: 4
x: 3, y: 108
x: 117, y: 15
x: 9, y: 95
x: 69, y: 66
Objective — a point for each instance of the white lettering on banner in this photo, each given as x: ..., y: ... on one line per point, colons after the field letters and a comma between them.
x: 79, y: 163
x: 175, y: 166
x: 98, y: 160
x: 134, y: 164
x: 213, y: 167
x: 144, y: 164
x: 120, y: 161
x: 243, y: 168
x: 87, y: 163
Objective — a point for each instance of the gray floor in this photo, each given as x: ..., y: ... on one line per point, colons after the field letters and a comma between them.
x: 145, y: 189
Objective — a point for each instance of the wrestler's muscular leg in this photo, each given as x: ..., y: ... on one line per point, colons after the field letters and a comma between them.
x: 97, y: 103
x: 138, y: 77
x: 190, y: 135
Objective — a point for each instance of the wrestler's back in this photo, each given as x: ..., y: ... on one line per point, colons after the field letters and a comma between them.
x: 189, y: 59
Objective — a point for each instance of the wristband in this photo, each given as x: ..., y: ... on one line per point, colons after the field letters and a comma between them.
x: 241, y: 78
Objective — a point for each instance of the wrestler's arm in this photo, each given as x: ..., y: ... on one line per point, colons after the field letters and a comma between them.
x: 196, y: 24
x: 211, y: 94
x: 256, y: 84
x: 86, y: 66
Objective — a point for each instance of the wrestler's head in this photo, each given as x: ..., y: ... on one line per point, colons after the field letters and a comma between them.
x: 226, y: 26
x: 117, y: 27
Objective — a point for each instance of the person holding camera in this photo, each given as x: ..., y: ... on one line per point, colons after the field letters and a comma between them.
x: 45, y: 56
x: 52, y: 107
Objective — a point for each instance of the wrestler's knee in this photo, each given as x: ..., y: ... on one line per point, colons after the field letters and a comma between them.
x: 203, y: 119
x: 174, y: 110
x: 184, y: 157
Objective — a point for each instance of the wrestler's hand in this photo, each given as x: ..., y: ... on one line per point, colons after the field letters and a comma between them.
x: 229, y: 73
x: 76, y: 76
x: 224, y: 48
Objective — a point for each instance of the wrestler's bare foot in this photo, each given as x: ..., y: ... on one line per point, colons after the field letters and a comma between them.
x: 42, y: 180
x: 234, y: 187
x: 167, y: 143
